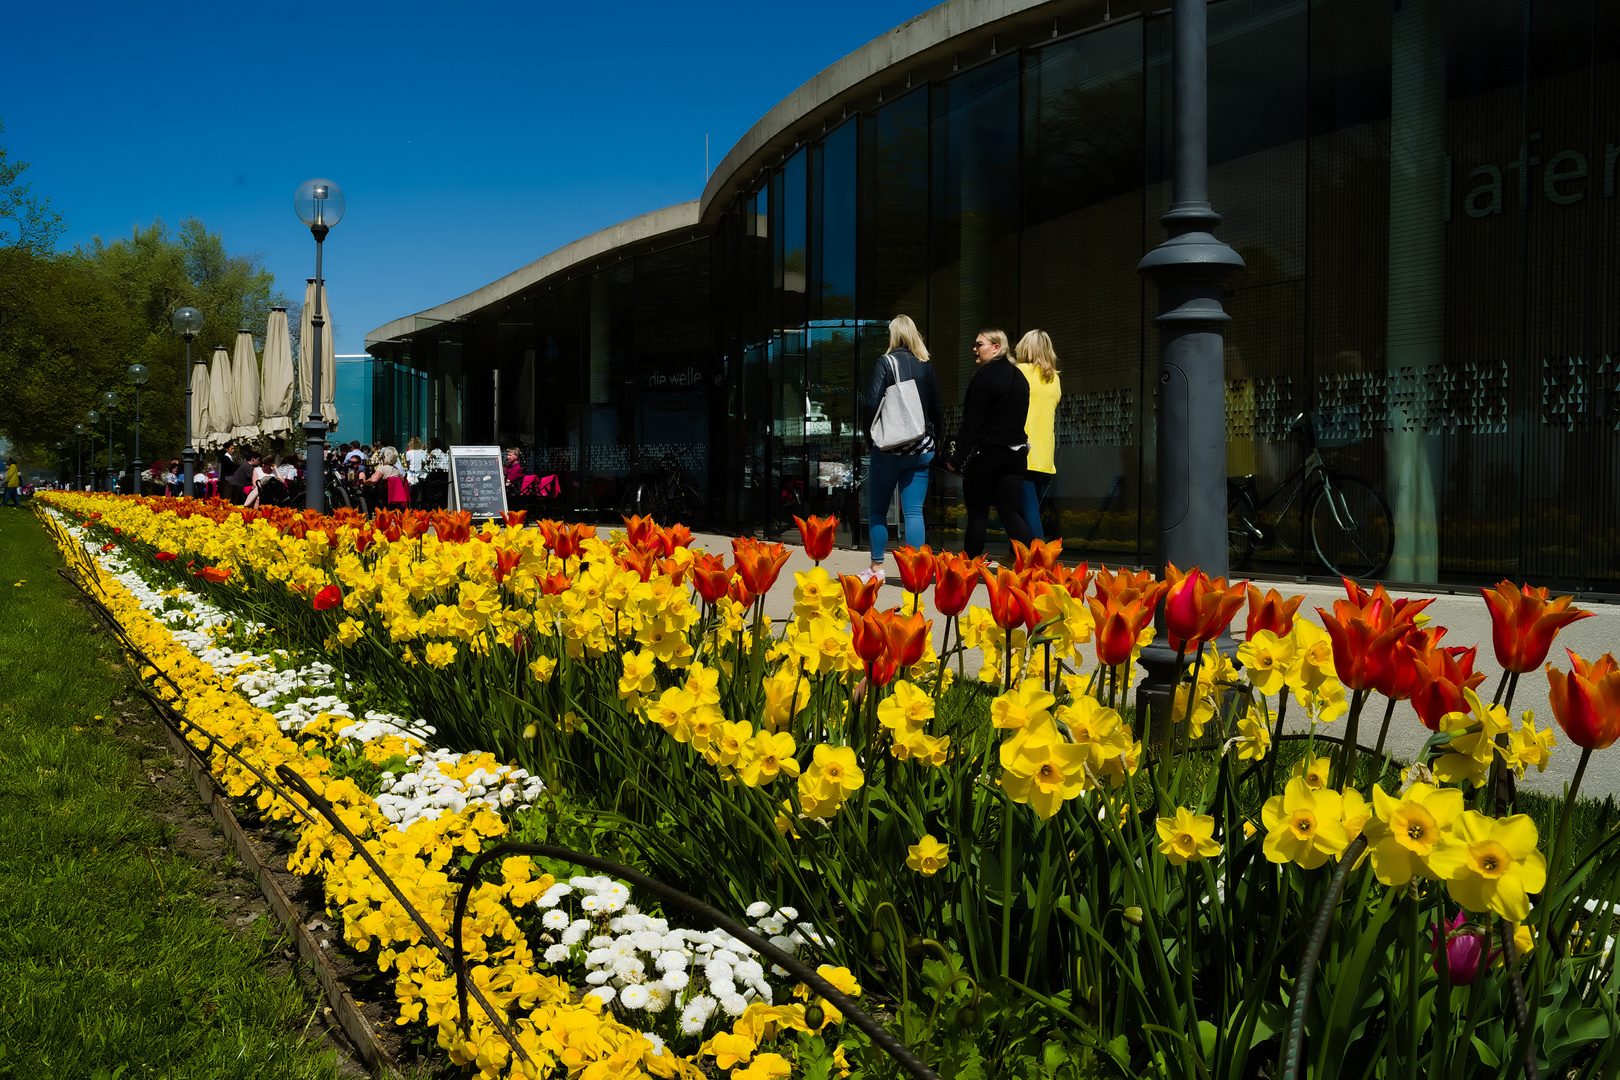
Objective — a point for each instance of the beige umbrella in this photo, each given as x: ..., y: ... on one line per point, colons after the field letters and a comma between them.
x: 199, y: 405
x: 221, y: 411
x: 306, y: 339
x: 245, y: 376
x: 276, y: 397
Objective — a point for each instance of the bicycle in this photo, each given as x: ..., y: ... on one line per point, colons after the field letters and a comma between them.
x: 660, y: 490
x: 1351, y: 528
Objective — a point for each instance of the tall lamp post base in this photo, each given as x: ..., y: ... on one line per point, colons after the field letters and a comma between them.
x: 315, y: 464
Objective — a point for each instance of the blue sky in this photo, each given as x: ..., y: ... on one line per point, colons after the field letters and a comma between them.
x: 468, y: 140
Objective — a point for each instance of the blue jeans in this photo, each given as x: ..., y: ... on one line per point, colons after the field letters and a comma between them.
x: 1035, y: 485
x: 11, y: 497
x: 910, y: 473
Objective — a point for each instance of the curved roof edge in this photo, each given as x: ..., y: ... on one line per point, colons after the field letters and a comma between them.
x: 918, y: 41
x: 635, y: 230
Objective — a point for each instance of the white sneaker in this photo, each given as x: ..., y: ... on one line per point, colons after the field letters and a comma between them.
x: 870, y: 574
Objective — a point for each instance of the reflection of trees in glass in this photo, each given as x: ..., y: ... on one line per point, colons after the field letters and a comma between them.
x: 895, y: 208
x: 1087, y: 141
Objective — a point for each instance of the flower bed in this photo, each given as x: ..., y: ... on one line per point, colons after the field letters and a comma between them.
x: 1022, y: 880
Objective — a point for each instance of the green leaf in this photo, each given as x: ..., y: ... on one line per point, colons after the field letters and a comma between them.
x: 1485, y: 1056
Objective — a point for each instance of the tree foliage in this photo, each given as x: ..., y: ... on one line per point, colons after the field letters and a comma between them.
x: 71, y: 323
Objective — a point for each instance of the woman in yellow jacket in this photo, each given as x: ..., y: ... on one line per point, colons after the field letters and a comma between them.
x: 1038, y: 361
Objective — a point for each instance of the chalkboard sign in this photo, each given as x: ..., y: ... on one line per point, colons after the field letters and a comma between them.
x: 478, y: 481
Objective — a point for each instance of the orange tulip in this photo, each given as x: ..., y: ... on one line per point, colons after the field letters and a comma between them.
x: 1390, y: 612
x: 1271, y: 612
x: 639, y: 530
x: 1362, y: 641
x: 672, y: 570
x: 859, y: 596
x: 1439, y: 683
x: 1125, y: 585
x: 817, y: 534
x: 1197, y: 607
x: 739, y: 591
x: 710, y: 577
x: 555, y: 584
x: 955, y: 577
x: 214, y: 574
x: 676, y: 536
x: 505, y: 562
x: 916, y: 567
x: 1010, y: 604
x: 1399, y: 666
x: 758, y: 564
x: 1586, y: 701
x: 871, y: 636
x: 329, y: 597
x: 1040, y: 554
x: 642, y: 562
x: 1118, y: 627
x: 1524, y: 623
x: 513, y: 519
x: 1075, y: 581
x: 908, y: 637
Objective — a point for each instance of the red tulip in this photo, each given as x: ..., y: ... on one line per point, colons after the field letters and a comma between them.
x: 165, y: 556
x: 514, y: 518
x: 956, y: 577
x: 1361, y: 653
x: 871, y: 636
x: 214, y: 574
x: 1464, y: 951
x: 1271, y: 612
x: 1398, y: 666
x: 817, y: 534
x: 1524, y: 623
x: 329, y: 597
x: 916, y: 567
x: 1197, y: 607
x: 1586, y: 701
x: 710, y: 577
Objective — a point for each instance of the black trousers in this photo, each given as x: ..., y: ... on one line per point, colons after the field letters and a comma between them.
x: 996, y: 474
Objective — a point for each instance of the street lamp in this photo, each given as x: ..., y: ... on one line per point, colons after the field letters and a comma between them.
x: 319, y: 204
x: 78, y: 457
x: 61, y: 452
x: 1190, y: 269
x: 137, y: 376
x: 91, y: 419
x: 109, y: 401
x: 186, y: 322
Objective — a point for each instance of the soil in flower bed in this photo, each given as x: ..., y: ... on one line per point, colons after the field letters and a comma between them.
x: 131, y: 941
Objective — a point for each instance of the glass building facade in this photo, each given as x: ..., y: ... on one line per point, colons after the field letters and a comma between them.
x: 1423, y: 192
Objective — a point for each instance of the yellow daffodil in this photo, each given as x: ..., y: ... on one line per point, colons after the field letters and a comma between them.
x: 542, y: 668
x: 1303, y: 825
x: 1024, y: 704
x: 1266, y: 660
x: 927, y: 856
x: 1255, y: 739
x: 1493, y: 865
x: 1041, y: 769
x: 1406, y: 831
x: 1187, y: 837
x: 786, y: 693
x: 768, y: 756
x: 1314, y: 771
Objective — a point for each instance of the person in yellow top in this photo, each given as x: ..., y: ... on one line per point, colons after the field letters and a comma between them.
x: 13, y: 484
x: 1038, y: 361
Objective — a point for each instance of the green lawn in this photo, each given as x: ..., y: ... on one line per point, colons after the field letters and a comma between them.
x: 114, y: 957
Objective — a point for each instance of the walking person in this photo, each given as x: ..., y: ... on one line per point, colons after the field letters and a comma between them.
x: 13, y: 484
x: 415, y: 460
x: 990, y: 449
x: 904, y: 467
x: 1038, y: 361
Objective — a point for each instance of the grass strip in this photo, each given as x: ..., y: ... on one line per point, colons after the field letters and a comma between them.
x: 113, y: 958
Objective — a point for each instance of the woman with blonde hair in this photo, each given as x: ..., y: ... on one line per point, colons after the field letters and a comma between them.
x: 990, y: 449
x: 1038, y: 361
x: 904, y: 467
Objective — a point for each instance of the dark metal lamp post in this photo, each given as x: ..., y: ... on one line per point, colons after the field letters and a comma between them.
x: 91, y: 419
x: 187, y: 321
x: 319, y: 204
x: 78, y: 457
x: 137, y: 376
x: 109, y: 401
x: 61, y: 452
x: 1190, y: 268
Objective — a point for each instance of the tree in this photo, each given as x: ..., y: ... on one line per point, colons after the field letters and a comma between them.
x: 29, y: 229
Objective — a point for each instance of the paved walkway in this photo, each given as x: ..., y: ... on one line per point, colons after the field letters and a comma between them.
x: 1462, y: 610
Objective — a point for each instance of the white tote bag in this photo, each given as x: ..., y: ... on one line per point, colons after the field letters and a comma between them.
x: 900, y: 426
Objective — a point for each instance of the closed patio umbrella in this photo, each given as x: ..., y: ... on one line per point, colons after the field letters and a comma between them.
x: 306, y: 340
x: 221, y: 410
x: 245, y: 376
x: 276, y: 395
x: 199, y: 406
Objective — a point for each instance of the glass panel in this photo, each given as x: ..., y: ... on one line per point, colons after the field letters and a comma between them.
x: 1083, y: 143
x: 611, y: 433
x: 894, y: 209
x: 560, y: 358
x: 672, y: 361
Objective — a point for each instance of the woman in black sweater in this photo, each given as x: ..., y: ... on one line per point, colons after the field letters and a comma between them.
x: 990, y: 450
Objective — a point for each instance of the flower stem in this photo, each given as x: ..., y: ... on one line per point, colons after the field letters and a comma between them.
x: 1389, y: 713
x: 1521, y: 1015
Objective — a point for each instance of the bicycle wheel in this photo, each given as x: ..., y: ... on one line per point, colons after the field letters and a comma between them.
x: 685, y: 506
x: 630, y: 502
x: 1240, y: 526
x: 1351, y: 527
